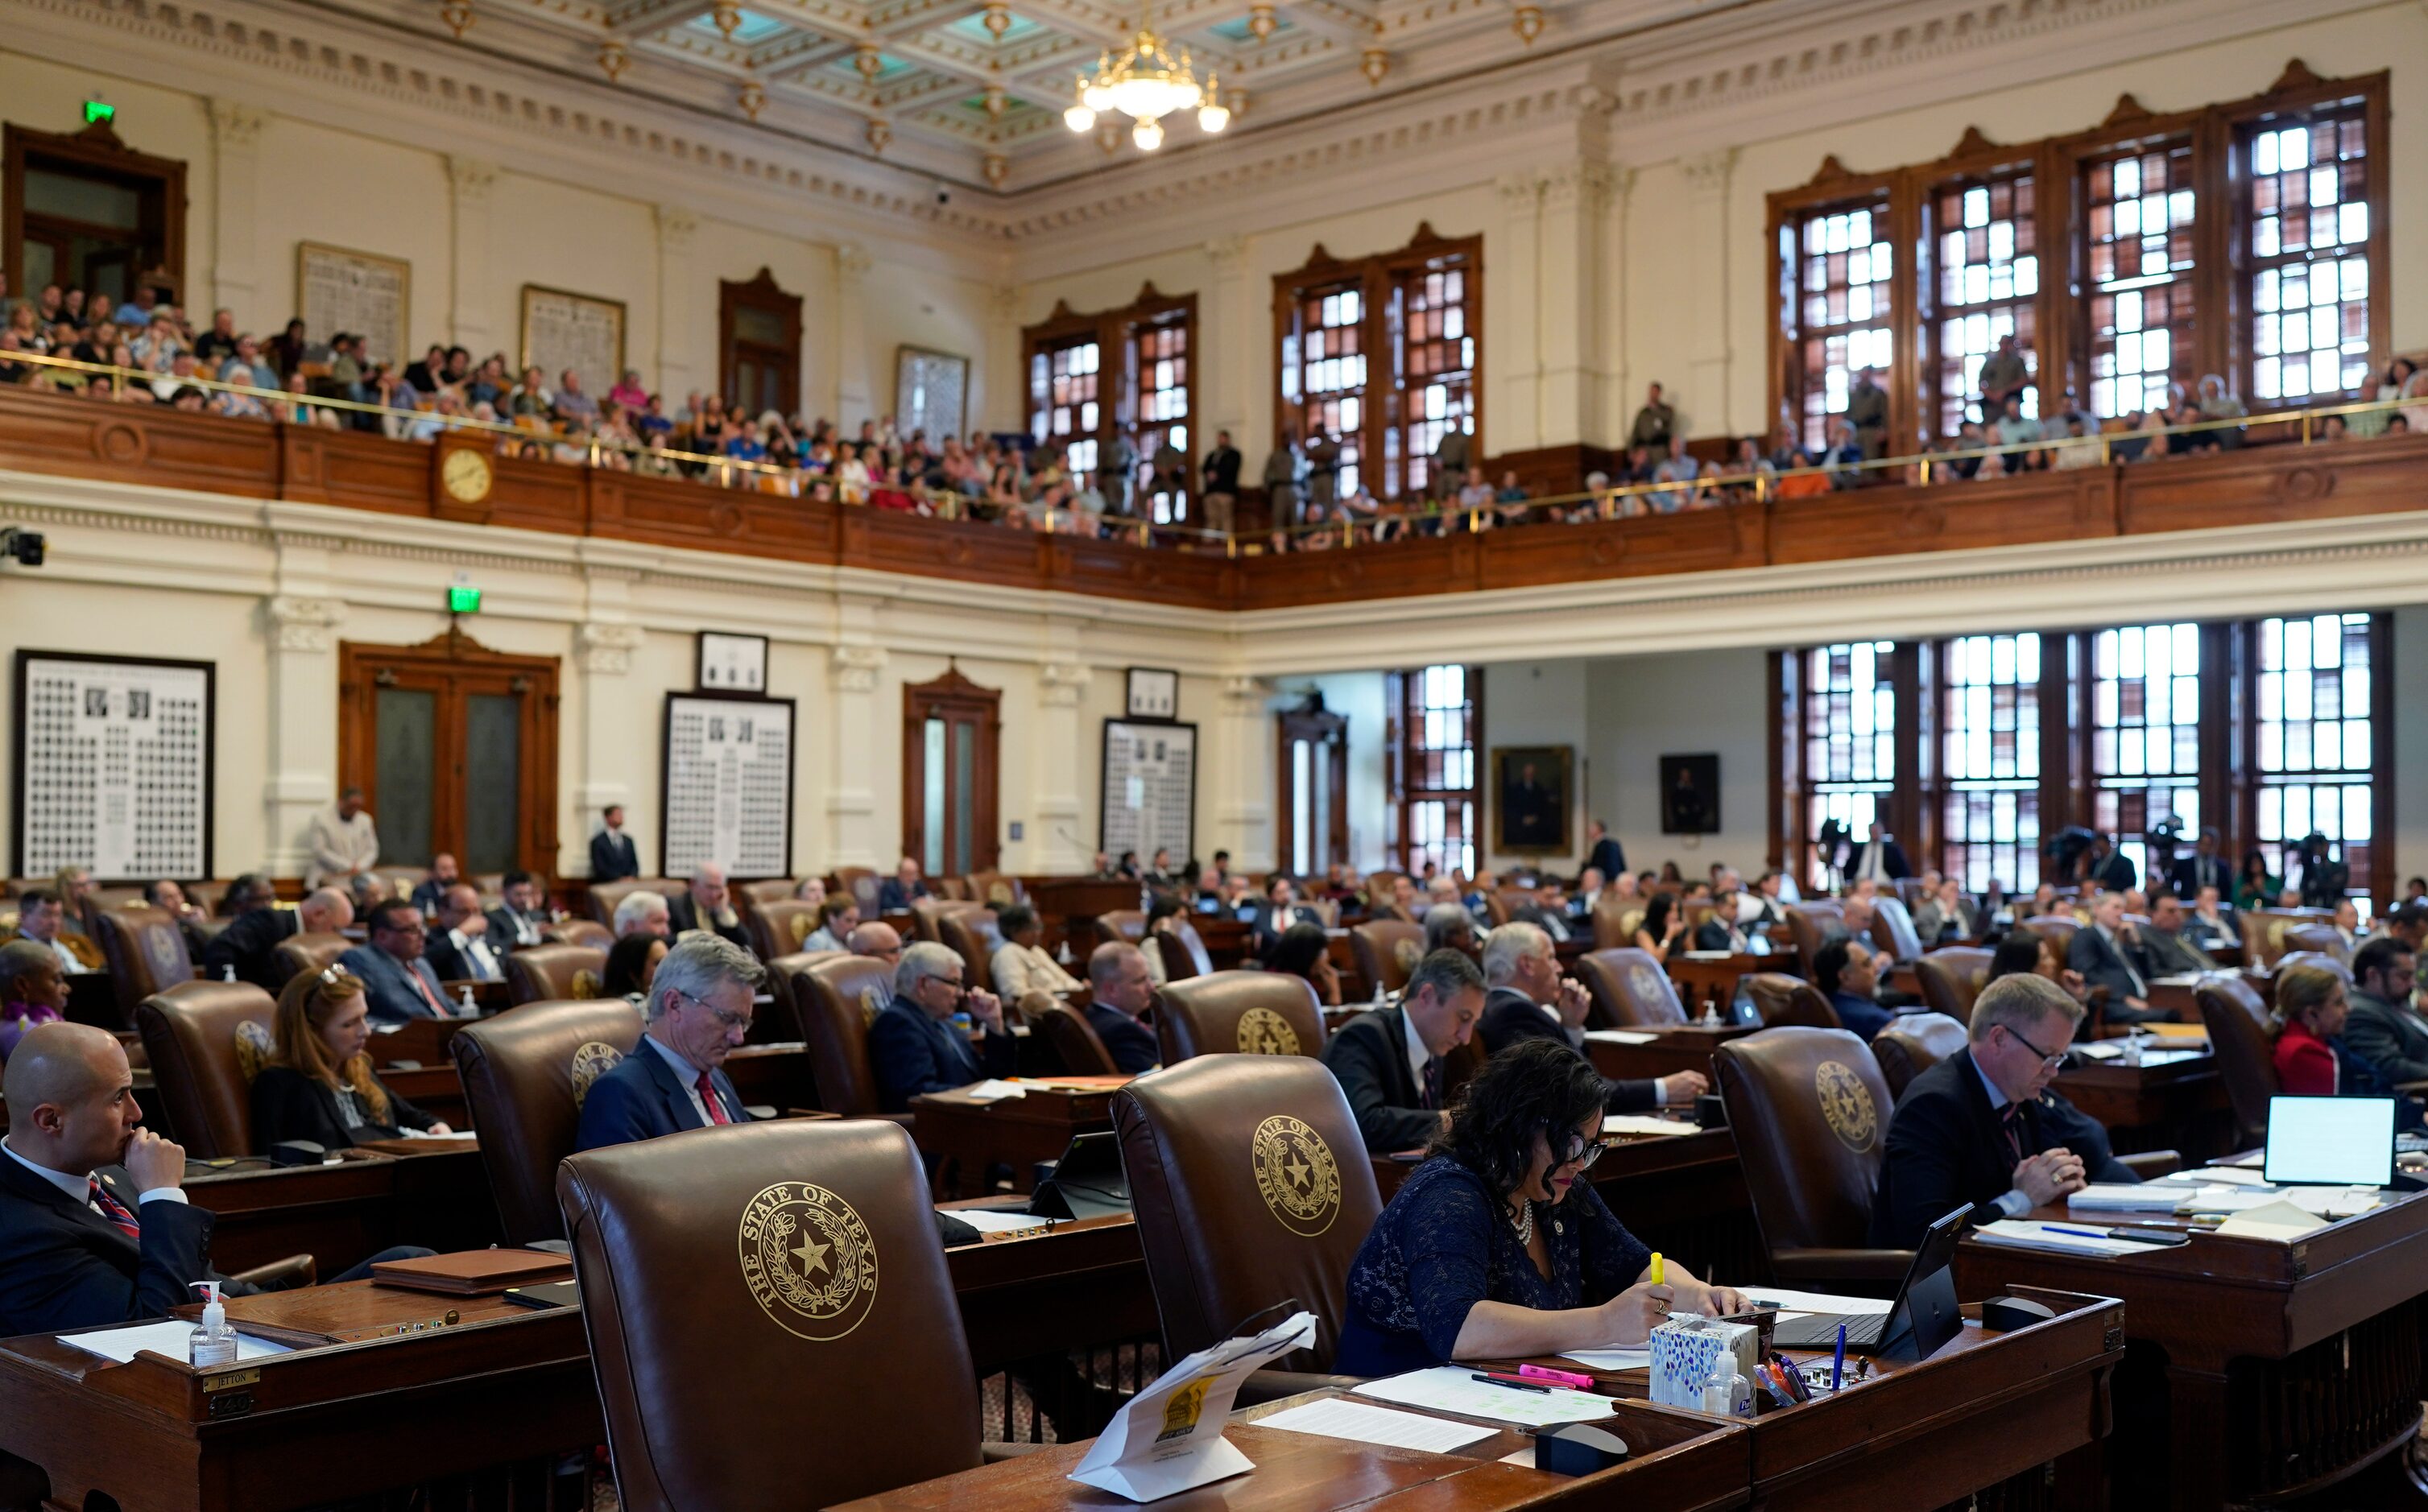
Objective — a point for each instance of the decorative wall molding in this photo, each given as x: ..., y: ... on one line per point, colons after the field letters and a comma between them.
x: 605, y: 647
x: 855, y: 667
x: 304, y: 624
x: 1065, y: 683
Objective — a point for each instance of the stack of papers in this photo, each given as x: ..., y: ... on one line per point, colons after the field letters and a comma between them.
x: 1621, y: 1036
x: 1612, y: 1360
x: 1795, y: 1304
x: 2242, y: 1176
x: 2127, y: 1196
x: 1455, y: 1389
x: 2023, y: 1233
x: 1641, y: 1123
x: 2277, y: 1220
x: 1339, y: 1418
x: 987, y: 1222
x: 992, y: 1090
x: 171, y: 1339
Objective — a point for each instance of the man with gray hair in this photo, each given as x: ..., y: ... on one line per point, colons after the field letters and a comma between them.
x: 1530, y: 1000
x: 1982, y: 1129
x: 913, y: 1049
x: 697, y: 1013
x: 708, y: 904
x: 1449, y: 927
x: 644, y: 912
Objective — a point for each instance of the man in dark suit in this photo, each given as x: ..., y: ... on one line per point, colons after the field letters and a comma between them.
x: 2165, y: 947
x: 1124, y: 990
x: 1878, y: 859
x: 2110, y: 867
x: 459, y: 949
x: 396, y: 983
x: 525, y: 913
x: 1530, y: 1000
x: 1848, y: 975
x: 1607, y: 857
x: 431, y: 891
x: 1274, y: 916
x: 2383, y: 1029
x: 1548, y: 912
x: 698, y: 1011
x: 708, y: 904
x: 2109, y: 955
x: 2202, y: 868
x: 246, y: 947
x: 912, y: 1048
x: 1982, y: 1128
x: 1389, y: 1062
x: 1221, y: 481
x: 612, y: 856
x: 1720, y: 932
x: 893, y: 895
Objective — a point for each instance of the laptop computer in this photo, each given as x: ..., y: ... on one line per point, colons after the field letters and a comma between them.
x: 1922, y: 1319
x: 2330, y: 1142
x: 1086, y: 1182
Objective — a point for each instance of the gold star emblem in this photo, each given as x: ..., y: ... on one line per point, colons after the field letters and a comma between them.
x: 1297, y: 1169
x: 811, y: 1254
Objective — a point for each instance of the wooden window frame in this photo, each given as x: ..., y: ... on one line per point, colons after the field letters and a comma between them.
x: 760, y: 293
x: 97, y: 149
x: 950, y: 696
x: 1329, y: 733
x: 1403, y: 705
x: 1115, y: 334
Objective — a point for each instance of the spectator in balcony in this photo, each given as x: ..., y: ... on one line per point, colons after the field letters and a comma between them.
x: 1843, y: 457
x: 1755, y: 476
x: 2080, y: 431
x: 179, y: 378
x: 1284, y: 467
x: 1474, y: 494
x: 531, y: 399
x: 570, y: 404
x: 2334, y: 429
x: 2413, y: 416
x: 630, y: 392
x: 2369, y: 424
x: 1867, y: 410
x: 1219, y: 483
x: 1677, y: 467
x: 1323, y: 470
x: 2004, y: 376
x: 1654, y: 423
x: 239, y: 406
x: 2217, y: 403
x: 428, y: 375
x: 218, y: 342
x: 1511, y: 500
x: 2016, y: 428
x: 850, y: 474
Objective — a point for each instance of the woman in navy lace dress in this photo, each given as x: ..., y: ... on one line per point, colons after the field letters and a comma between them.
x: 1497, y: 1248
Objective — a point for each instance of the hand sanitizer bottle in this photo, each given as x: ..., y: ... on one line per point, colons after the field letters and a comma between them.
x: 213, y: 1343
x: 471, y: 1009
x: 1726, y: 1394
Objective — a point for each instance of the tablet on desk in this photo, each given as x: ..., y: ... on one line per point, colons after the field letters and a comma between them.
x: 2330, y: 1141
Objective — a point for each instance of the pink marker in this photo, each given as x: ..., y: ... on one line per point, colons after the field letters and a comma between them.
x: 1564, y: 1377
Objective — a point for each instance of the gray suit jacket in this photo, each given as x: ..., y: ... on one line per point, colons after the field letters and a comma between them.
x: 2389, y: 1037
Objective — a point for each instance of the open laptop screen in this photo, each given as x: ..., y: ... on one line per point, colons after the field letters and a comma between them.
x: 2331, y: 1140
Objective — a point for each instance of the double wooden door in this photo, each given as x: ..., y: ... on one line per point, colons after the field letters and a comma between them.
x: 454, y: 748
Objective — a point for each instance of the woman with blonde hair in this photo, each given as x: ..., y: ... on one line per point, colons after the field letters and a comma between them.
x: 317, y: 1084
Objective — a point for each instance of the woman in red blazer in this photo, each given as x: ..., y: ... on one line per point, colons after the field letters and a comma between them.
x: 2310, y: 1008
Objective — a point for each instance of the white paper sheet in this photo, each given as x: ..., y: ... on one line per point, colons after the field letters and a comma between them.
x: 996, y: 1223
x: 170, y: 1337
x: 1612, y: 1360
x: 1455, y: 1389
x: 1642, y: 1123
x: 1339, y: 1418
x: 2281, y: 1220
x: 2215, y: 1176
x: 1793, y: 1301
x: 2126, y: 1197
x: 992, y: 1090
x: 1169, y: 1438
x: 1621, y: 1036
x: 2018, y: 1233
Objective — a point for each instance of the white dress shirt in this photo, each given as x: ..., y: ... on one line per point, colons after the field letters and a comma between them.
x: 80, y: 1187
x: 1419, y: 1057
x: 1020, y: 969
x: 477, y: 954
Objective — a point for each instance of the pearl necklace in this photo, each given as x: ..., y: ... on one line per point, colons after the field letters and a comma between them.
x: 1524, y: 1223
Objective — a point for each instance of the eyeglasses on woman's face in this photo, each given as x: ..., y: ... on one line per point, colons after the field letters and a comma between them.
x: 1569, y: 1147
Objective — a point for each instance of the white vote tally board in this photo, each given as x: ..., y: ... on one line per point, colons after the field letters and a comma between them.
x: 728, y: 785
x: 1150, y: 789
x: 113, y: 767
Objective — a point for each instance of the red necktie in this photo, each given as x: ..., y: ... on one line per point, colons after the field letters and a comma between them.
x: 114, y: 1210
x: 709, y: 1099
x: 437, y: 1009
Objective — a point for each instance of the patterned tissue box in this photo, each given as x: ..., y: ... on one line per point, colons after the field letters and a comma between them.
x: 1684, y: 1350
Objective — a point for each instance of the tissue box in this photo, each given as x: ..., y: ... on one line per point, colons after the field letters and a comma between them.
x: 1684, y: 1350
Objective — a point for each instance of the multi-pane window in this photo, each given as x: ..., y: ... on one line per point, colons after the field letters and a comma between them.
x: 1987, y: 282
x: 1436, y: 374
x: 1064, y: 397
x: 1160, y: 380
x: 1990, y: 760
x: 1840, y: 260
x: 1433, y: 803
x: 1323, y: 371
x: 1850, y: 742
x: 2145, y: 711
x: 2316, y: 740
x: 2137, y: 253
x: 2308, y: 217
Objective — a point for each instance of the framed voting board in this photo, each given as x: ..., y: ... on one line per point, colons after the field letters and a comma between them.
x: 1150, y: 789
x: 728, y: 794
x: 114, y: 765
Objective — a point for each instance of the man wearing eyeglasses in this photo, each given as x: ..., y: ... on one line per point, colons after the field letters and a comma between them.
x: 396, y: 983
x: 912, y: 1048
x: 1983, y: 1127
x: 698, y: 1011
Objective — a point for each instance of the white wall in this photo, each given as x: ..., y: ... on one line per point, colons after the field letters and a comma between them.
x: 1680, y: 703
x: 1540, y: 704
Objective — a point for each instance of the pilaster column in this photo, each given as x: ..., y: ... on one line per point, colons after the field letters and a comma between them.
x: 851, y: 803
x: 235, y: 274
x: 1617, y: 406
x: 852, y: 402
x: 469, y: 182
x: 1512, y: 380
x: 1706, y: 389
x: 603, y: 650
x: 301, y: 628
x: 1232, y: 322
x: 1059, y: 807
x: 681, y: 363
x: 1568, y: 292
x: 1242, y: 769
x: 1001, y: 402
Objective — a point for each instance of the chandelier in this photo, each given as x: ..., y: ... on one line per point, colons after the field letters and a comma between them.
x: 1146, y: 83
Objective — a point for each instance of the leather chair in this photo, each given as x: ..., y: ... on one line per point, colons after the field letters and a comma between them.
x: 207, y: 895
x: 583, y: 931
x: 1068, y: 1030
x: 1183, y: 951
x: 955, y: 889
x: 1893, y: 931
x: 972, y: 936
x: 146, y: 951
x: 1629, y: 989
x: 1203, y: 1144
x: 1229, y: 1012
x: 1807, y: 924
x: 525, y: 1072
x: 1386, y: 951
x: 307, y: 953
x: 1785, y: 1002
x: 836, y: 997
x: 1810, y: 1111
x: 604, y: 896
x: 1615, y: 922
x: 1909, y: 891
x: 749, y: 897
x: 1951, y: 978
x: 2323, y: 959
x: 2246, y: 1057
x: 780, y: 1019
x: 2313, y: 939
x: 1501, y: 901
x: 2057, y: 929
x: 2263, y: 932
x: 861, y: 884
x: 996, y: 888
x: 727, y: 1390
x: 777, y: 926
x: 1912, y: 1044
x: 928, y: 916
x: 1121, y: 924
x: 189, y: 1035
x: 554, y: 973
x: 1327, y: 910
x: 401, y: 881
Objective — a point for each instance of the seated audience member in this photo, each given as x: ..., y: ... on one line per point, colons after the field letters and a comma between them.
x: 1389, y: 1062
x: 33, y: 990
x: 1451, y: 927
x: 1661, y: 928
x: 243, y: 951
x: 431, y: 889
x: 2311, y: 1055
x: 2405, y: 923
x: 399, y: 982
x: 915, y: 1047
x: 2208, y: 925
x: 1547, y: 911
x: 1124, y: 992
x: 708, y: 904
x: 1848, y: 973
x: 459, y: 948
x: 364, y: 892
x: 611, y: 856
x: 169, y: 899
x: 1165, y: 913
x: 1496, y: 1247
x: 2109, y: 955
x: 1019, y: 965
x: 1591, y: 885
x: 811, y: 890
x: 316, y: 1084
x: 632, y: 965
x: 1946, y: 916
x: 2026, y: 952
x: 518, y: 921
x: 1304, y: 951
x: 837, y: 917
x: 2385, y: 1028
x: 697, y: 1012
x: 644, y: 912
x: 1982, y: 1128
x: 2166, y: 944
x: 878, y: 942
x: 1528, y: 998
x: 1404, y: 904
x: 1763, y: 907
x: 42, y: 917
x: 895, y: 893
x: 1277, y: 914
x: 1720, y: 930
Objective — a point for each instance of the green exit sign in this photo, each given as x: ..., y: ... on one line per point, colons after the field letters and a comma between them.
x: 98, y: 112
x: 462, y: 600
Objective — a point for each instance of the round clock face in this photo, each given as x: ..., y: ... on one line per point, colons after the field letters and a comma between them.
x: 466, y: 475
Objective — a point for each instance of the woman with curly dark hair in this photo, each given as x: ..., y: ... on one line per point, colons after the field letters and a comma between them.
x: 1497, y: 1248
x: 1305, y: 952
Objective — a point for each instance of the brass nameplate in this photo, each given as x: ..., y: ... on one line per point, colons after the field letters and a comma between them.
x: 229, y: 1379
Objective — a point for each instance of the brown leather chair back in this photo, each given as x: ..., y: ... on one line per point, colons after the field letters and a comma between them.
x: 1614, y: 921
x: 307, y: 953
x: 1251, y: 1187
x: 780, y: 1019
x: 2057, y: 929
x: 2315, y: 939
x: 146, y: 951
x: 604, y: 896
x: 207, y: 895
x: 1183, y: 951
x: 525, y: 1072
x: 1909, y: 891
x: 1810, y: 1111
x: 1068, y: 1030
x: 749, y: 897
x: 2264, y: 930
x: 1121, y: 924
x: 1387, y: 951
x: 836, y: 997
x: 957, y: 888
x: 970, y: 931
x: 401, y: 881
x: 860, y: 883
x: 778, y: 926
x: 189, y: 1035
x: 806, y: 1371
x: 1951, y: 978
x: 2323, y: 960
x: 583, y: 931
x: 1630, y: 991
x: 1912, y: 1044
x: 1893, y: 930
x: 1808, y: 923
x: 1785, y: 1001
x: 996, y: 888
x: 1326, y: 910
x: 2246, y: 1056
x: 1267, y: 1013
x: 1501, y: 901
x: 555, y: 973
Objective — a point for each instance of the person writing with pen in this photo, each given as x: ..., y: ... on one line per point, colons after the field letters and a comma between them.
x: 1496, y: 1247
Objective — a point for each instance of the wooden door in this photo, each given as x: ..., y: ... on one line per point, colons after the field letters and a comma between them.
x: 759, y: 327
x: 951, y: 733
x: 1313, y: 781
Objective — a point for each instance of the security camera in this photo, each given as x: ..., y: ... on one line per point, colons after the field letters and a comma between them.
x: 24, y: 545
x: 943, y: 196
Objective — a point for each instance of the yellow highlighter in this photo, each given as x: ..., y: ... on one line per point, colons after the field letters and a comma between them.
x: 1656, y: 1268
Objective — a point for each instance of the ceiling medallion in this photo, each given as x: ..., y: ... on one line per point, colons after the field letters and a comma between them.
x: 729, y: 15
x: 1260, y: 21
x: 1374, y: 62
x: 458, y: 16
x: 614, y: 59
x: 996, y: 102
x: 879, y: 133
x: 998, y: 19
x: 997, y: 168
x: 1146, y: 83
x: 753, y: 99
x: 868, y: 63
x: 1528, y: 23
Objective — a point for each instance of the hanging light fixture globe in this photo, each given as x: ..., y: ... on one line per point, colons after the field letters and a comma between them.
x: 1146, y: 82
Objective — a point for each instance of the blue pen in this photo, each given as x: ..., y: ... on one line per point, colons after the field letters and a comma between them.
x: 2078, y: 1233
x: 1838, y: 1363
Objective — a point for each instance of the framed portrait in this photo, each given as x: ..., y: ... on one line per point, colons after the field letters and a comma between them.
x: 1533, y: 792
x: 338, y: 288
x: 930, y: 392
x: 1690, y: 795
x: 564, y: 330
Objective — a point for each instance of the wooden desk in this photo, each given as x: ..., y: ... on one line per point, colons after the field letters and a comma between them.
x: 342, y: 1215
x: 1080, y: 1285
x: 969, y: 1136
x: 2174, y: 1099
x: 503, y: 1384
x: 2288, y: 1367
x: 1671, y: 1050
x: 1715, y: 981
